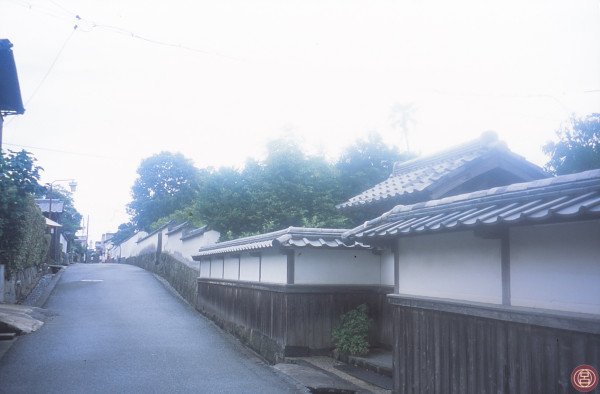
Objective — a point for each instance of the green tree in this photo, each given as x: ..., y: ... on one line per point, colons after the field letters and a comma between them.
x: 366, y: 163
x: 287, y: 188
x: 166, y: 183
x: 23, y: 242
x: 578, y: 148
x: 224, y: 203
x: 125, y: 231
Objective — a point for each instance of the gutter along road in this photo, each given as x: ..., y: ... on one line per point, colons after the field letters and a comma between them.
x: 115, y: 328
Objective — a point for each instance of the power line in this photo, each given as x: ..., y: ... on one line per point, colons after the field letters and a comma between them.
x: 39, y: 85
x: 60, y: 51
x: 68, y: 152
x: 90, y: 25
x: 42, y: 10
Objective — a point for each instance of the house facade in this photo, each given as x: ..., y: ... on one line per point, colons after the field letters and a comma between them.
x: 496, y: 290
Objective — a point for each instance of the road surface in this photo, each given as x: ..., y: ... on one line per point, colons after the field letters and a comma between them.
x: 116, y: 329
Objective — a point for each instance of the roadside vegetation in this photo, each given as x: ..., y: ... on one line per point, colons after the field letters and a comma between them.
x: 23, y: 241
x: 286, y: 188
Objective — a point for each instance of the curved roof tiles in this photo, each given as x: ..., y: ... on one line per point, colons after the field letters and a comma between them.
x: 575, y: 196
x: 291, y: 237
x: 424, y: 176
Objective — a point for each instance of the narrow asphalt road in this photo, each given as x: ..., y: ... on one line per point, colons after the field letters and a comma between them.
x: 116, y: 329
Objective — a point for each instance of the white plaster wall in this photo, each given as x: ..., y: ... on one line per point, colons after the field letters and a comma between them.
x: 172, y: 243
x: 556, y: 266
x: 148, y: 245
x: 210, y: 237
x: 230, y: 268
x: 205, y: 269
x: 451, y: 265
x: 273, y: 267
x: 190, y: 246
x: 249, y: 268
x: 129, y: 247
x: 326, y: 266
x: 387, y: 267
x: 216, y: 268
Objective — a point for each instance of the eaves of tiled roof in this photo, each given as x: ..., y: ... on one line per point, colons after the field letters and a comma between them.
x: 289, y: 238
x: 161, y: 228
x: 420, y: 178
x: 194, y: 232
x: 567, y: 197
x: 179, y: 227
x: 44, y: 204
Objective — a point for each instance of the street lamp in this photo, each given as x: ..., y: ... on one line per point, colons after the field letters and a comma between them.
x: 73, y: 186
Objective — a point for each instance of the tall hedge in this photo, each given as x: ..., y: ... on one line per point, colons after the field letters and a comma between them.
x: 23, y: 242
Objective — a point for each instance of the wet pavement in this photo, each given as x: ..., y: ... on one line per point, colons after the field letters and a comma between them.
x: 115, y: 328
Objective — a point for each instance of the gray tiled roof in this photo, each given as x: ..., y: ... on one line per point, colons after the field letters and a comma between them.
x: 567, y: 197
x: 161, y: 228
x: 292, y: 237
x: 421, y: 176
x: 180, y: 227
x: 194, y: 232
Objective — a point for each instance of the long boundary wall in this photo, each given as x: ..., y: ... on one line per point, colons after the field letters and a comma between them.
x: 180, y: 275
x: 279, y: 320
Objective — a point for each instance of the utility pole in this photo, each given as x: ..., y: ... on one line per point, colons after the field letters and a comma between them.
x: 87, y: 234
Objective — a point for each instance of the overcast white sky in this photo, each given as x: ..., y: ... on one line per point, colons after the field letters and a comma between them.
x: 235, y: 74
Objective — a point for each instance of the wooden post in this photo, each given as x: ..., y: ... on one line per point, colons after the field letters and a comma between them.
x: 396, y: 251
x: 290, y: 266
x: 505, y: 258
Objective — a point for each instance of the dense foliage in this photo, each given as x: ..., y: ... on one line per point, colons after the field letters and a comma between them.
x: 351, y: 334
x: 166, y: 182
x: 23, y: 242
x: 125, y: 231
x: 286, y: 188
x: 578, y: 148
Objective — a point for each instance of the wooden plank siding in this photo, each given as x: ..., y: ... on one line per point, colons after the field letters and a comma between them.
x: 280, y: 320
x: 447, y: 352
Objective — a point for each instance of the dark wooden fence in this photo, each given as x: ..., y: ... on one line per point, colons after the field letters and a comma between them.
x: 445, y: 347
x: 291, y: 320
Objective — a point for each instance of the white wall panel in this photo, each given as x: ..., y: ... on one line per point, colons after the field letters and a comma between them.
x: 451, y: 265
x: 230, y: 268
x: 337, y: 266
x: 556, y: 266
x: 249, y: 269
x: 274, y: 267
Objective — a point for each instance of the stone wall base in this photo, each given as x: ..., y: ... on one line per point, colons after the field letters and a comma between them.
x: 16, y: 288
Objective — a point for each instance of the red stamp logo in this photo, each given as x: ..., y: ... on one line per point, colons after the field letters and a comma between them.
x: 584, y: 378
